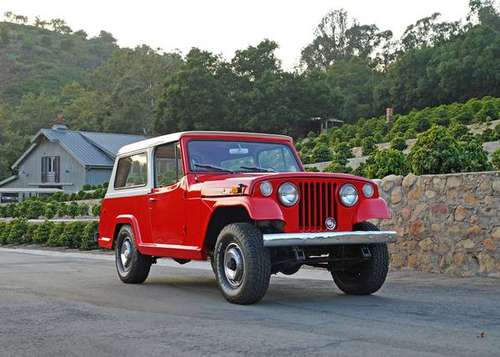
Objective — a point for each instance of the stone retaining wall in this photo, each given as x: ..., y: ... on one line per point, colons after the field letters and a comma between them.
x: 446, y: 223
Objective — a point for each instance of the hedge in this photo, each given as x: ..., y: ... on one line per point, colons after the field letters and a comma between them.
x: 35, y: 208
x: 72, y: 235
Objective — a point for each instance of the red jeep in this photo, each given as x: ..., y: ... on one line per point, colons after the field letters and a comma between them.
x: 245, y: 202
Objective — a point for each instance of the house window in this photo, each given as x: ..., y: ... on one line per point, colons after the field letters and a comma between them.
x: 51, y: 169
x: 168, y: 165
x: 132, y: 171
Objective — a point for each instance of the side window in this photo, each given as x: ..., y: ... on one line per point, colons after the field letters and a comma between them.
x: 132, y: 171
x: 168, y: 165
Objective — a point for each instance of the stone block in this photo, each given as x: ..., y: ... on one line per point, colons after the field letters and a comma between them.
x: 454, y: 181
x: 408, y: 181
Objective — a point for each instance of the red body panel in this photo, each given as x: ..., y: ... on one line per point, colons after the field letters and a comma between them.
x: 173, y: 221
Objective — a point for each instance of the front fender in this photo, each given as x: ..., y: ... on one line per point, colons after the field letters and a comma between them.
x: 372, y: 209
x: 259, y: 209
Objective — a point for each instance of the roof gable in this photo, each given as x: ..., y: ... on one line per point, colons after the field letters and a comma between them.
x: 88, y: 148
x: 111, y: 143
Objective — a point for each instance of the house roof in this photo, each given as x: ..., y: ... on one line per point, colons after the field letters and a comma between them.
x: 88, y: 148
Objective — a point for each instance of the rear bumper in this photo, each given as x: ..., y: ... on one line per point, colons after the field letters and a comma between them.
x: 328, y: 238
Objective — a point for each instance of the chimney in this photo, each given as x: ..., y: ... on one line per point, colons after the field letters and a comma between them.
x: 60, y: 118
x: 59, y: 122
x: 389, y: 115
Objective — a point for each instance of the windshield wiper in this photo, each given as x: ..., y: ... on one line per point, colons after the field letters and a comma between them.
x: 213, y: 167
x: 256, y: 169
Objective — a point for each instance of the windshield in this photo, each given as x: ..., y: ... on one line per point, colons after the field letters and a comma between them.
x: 240, y: 156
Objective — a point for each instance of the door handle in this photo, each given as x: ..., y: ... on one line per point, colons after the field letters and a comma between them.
x: 152, y: 200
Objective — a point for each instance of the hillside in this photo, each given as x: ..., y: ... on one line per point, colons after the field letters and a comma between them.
x: 37, y: 60
x: 46, y: 67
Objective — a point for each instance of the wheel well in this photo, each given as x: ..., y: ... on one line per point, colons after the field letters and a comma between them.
x: 115, y: 233
x: 221, y: 217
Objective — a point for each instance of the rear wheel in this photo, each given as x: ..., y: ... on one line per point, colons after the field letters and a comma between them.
x: 365, y: 277
x: 242, y: 264
x: 132, y: 266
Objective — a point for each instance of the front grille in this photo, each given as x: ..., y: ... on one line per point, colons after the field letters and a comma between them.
x: 317, y: 202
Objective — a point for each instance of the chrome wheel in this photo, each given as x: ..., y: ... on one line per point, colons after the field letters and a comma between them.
x: 126, y: 254
x: 234, y: 265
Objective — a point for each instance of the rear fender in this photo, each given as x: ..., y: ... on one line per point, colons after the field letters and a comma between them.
x: 126, y: 219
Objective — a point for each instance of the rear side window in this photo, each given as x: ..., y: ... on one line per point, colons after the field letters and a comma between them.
x: 132, y: 171
x: 168, y: 165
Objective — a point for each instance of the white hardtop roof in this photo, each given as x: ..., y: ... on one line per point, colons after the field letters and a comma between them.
x: 165, y: 139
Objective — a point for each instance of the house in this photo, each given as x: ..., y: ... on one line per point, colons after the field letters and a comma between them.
x: 63, y: 160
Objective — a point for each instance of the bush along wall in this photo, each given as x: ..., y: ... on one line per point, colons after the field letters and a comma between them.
x: 76, y: 235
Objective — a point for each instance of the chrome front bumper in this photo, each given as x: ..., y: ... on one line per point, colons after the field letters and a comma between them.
x: 328, y: 238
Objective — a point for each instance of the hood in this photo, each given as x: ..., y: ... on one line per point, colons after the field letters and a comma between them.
x: 213, y: 185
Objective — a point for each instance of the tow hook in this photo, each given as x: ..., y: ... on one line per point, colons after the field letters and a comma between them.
x: 365, y: 252
x: 299, y: 254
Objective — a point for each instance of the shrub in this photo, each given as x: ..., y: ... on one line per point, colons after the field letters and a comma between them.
x: 368, y: 145
x: 30, y: 234
x: 473, y: 157
x: 342, y: 150
x: 50, y: 210
x: 62, y: 210
x: 495, y: 159
x: 386, y: 162
x: 321, y: 153
x: 458, y: 130
x: 71, y: 235
x: 308, y: 169
x: 338, y: 167
x: 398, y: 143
x: 96, y: 210
x: 435, y: 152
x: 4, y: 232
x: 34, y: 209
x: 18, y: 230
x: 55, y: 236
x: 83, y: 210
x: 87, y: 240
x: 42, y: 232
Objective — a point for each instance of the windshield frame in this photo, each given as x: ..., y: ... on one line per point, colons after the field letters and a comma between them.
x: 290, y: 146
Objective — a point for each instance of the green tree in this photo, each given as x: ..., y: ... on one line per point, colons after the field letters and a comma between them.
x: 398, y: 143
x: 473, y: 157
x: 386, y: 162
x: 337, y: 38
x: 435, y: 152
x: 321, y: 153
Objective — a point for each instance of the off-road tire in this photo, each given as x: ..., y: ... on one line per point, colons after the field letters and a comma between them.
x: 138, y: 269
x: 367, y: 277
x: 256, y: 263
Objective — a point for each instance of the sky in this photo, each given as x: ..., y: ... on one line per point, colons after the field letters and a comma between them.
x: 224, y: 26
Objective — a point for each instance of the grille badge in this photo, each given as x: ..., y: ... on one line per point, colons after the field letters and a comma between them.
x: 330, y: 223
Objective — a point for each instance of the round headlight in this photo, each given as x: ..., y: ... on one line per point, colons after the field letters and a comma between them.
x: 348, y: 195
x: 288, y: 194
x: 266, y: 189
x: 368, y: 190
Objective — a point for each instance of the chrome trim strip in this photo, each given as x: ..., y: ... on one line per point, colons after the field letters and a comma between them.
x: 328, y: 238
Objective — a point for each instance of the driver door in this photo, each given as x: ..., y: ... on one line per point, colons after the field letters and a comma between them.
x: 167, y: 199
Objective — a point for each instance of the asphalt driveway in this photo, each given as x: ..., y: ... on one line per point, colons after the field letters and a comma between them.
x: 74, y: 305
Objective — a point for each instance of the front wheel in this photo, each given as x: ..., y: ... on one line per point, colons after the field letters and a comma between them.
x: 242, y: 264
x: 132, y: 266
x: 369, y: 275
